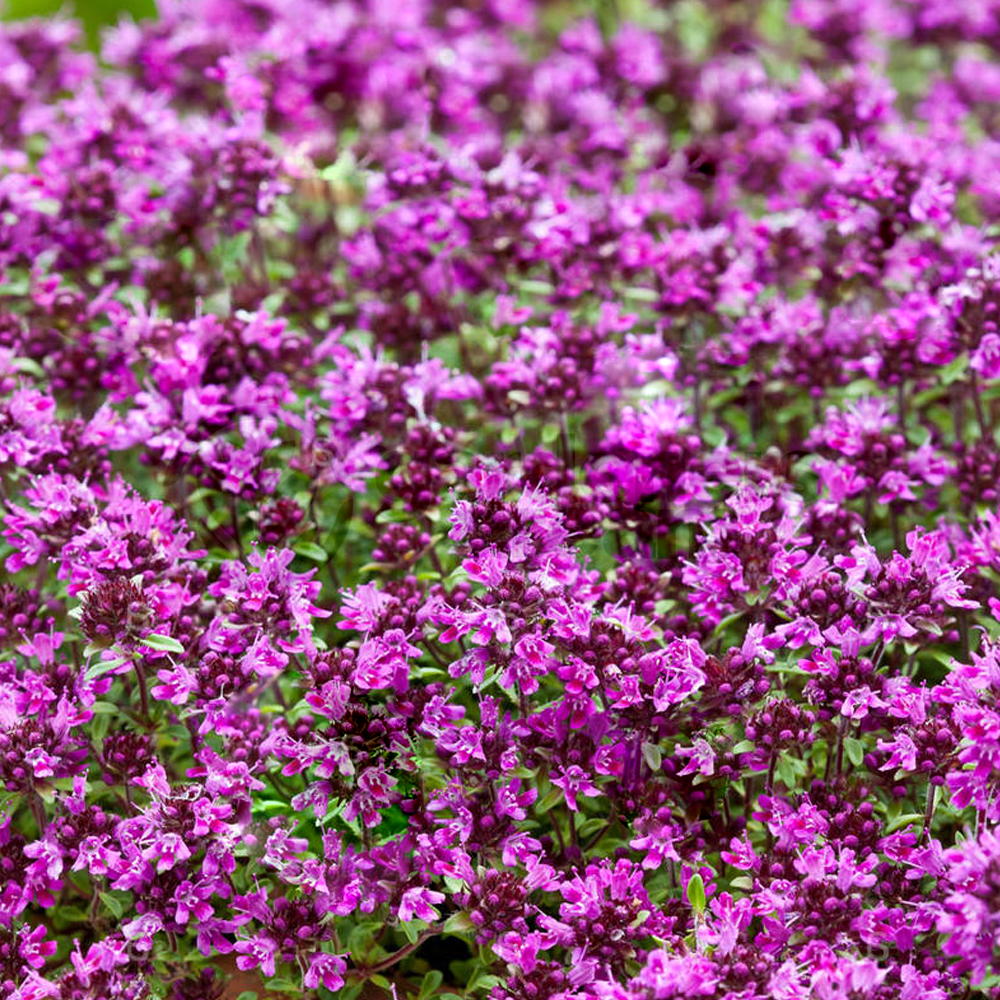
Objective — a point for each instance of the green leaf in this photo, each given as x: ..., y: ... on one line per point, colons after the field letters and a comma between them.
x: 349, y: 992
x: 653, y: 756
x: 115, y: 905
x: 726, y: 622
x: 458, y: 923
x: 202, y: 493
x: 855, y: 750
x: 744, y: 746
x: 954, y: 370
x: 375, y: 567
x: 785, y: 770
x: 166, y: 643
x: 904, y: 820
x: 818, y: 755
x: 310, y: 550
x: 454, y: 883
x: 248, y: 995
x: 430, y: 983
x: 269, y: 805
x: 587, y: 827
x: 485, y: 981
x: 549, y: 801
x: 695, y: 894
x: 281, y: 985
x: 638, y: 294
x: 928, y: 626
x: 341, y: 169
x: 72, y: 914
x: 29, y: 367
x: 102, y: 667
x: 361, y: 938
x: 536, y: 287
x: 392, y: 516
x: 788, y: 668
x: 412, y: 929
x: 394, y: 821
x: 550, y: 433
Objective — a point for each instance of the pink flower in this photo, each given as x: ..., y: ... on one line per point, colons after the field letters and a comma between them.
x: 34, y: 948
x: 702, y: 758
x: 932, y: 201
x: 859, y: 702
x: 325, y: 970
x: 986, y: 358
x: 573, y: 780
x: 419, y: 902
x: 383, y: 662
x: 487, y: 567
x: 142, y: 930
x: 258, y: 951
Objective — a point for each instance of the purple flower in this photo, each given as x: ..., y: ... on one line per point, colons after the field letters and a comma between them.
x: 419, y: 902
x: 382, y: 662
x: 574, y: 780
x: 255, y: 952
x: 325, y: 970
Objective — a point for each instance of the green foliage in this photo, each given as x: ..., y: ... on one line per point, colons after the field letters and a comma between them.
x: 95, y: 15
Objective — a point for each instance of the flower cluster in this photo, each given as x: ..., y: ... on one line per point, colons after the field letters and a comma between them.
x: 500, y: 500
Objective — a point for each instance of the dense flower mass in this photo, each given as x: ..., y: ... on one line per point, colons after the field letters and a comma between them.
x: 499, y: 500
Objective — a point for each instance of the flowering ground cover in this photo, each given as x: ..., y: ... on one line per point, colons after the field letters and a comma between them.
x: 501, y: 501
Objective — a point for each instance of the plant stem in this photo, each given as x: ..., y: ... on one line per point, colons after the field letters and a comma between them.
x: 235, y: 521
x: 140, y: 678
x: 929, y: 811
x: 977, y: 404
x: 365, y: 972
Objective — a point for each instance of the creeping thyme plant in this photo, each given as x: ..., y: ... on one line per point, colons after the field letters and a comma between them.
x: 500, y: 500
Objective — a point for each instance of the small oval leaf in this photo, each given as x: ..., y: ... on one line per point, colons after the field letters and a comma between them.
x: 165, y: 643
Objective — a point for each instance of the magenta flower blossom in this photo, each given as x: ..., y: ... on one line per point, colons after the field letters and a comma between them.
x: 325, y: 970
x: 574, y: 781
x: 419, y: 902
x: 256, y: 952
x: 965, y: 914
x: 624, y: 379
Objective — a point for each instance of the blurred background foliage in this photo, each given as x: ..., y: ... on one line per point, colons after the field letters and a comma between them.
x: 692, y: 19
x: 93, y: 14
